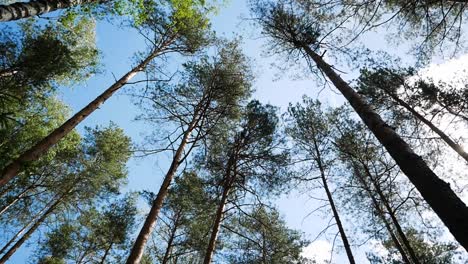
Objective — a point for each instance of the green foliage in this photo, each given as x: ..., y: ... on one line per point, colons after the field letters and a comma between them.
x: 428, y: 26
x: 186, y: 212
x: 309, y: 125
x: 170, y: 29
x: 95, y: 235
x: 30, y: 70
x: 249, y: 151
x: 209, y: 92
x: 78, y: 172
x: 289, y: 28
x: 428, y: 252
x: 262, y: 237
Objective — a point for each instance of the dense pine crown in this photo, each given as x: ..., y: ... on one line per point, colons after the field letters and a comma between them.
x: 152, y: 131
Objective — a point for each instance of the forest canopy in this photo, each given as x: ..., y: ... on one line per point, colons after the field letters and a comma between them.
x: 237, y: 132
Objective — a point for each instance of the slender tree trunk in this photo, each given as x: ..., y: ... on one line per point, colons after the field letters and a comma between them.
x: 392, y: 215
x: 264, y: 248
x: 395, y: 240
x: 31, y: 230
x: 139, y: 246
x: 455, y: 113
x: 344, y: 238
x: 446, y: 204
x: 55, y: 136
x: 21, y: 231
x: 217, y: 223
x: 336, y: 215
x: 171, y: 240
x: 106, y: 253
x: 459, y: 149
x: 20, y: 10
x: 17, y: 198
x: 381, y: 215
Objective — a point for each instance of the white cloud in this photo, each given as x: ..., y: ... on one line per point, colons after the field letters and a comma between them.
x: 447, y: 71
x: 319, y: 250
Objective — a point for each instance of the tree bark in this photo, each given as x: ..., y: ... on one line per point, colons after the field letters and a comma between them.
x: 20, y: 10
x: 31, y: 230
x: 446, y: 204
x: 336, y: 215
x: 40, y: 148
x: 456, y: 147
x: 139, y: 246
x: 392, y: 215
x: 217, y: 223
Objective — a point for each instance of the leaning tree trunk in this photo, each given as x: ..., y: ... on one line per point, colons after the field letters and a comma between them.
x: 170, y: 242
x: 106, y: 253
x: 381, y: 215
x: 446, y: 204
x: 35, y: 152
x: 139, y: 246
x: 392, y: 215
x: 15, y: 200
x: 217, y: 223
x: 393, y: 236
x: 31, y: 230
x: 344, y: 238
x: 22, y: 230
x: 456, y: 147
x: 20, y: 10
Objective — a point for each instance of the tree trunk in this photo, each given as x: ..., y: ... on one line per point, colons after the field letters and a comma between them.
x: 217, y: 223
x: 20, y: 232
x: 171, y: 240
x: 55, y: 136
x: 106, y: 253
x: 390, y: 231
x: 264, y: 247
x: 20, y: 10
x: 381, y: 215
x: 344, y: 238
x: 138, y: 248
x: 395, y: 221
x: 17, y: 198
x: 459, y: 149
x: 31, y: 230
x: 446, y: 204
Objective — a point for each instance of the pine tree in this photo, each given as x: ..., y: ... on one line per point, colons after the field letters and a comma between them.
x: 210, y: 93
x: 296, y: 33
x: 181, y: 31
x: 246, y: 155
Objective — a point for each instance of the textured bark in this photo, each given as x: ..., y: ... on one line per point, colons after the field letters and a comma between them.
x: 20, y: 10
x: 437, y: 193
x: 392, y: 215
x: 336, y: 215
x: 217, y: 225
x: 459, y: 149
x: 139, y: 246
x: 31, y: 230
x: 40, y: 148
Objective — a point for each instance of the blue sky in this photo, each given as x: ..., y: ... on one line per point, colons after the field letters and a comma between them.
x: 118, y: 46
